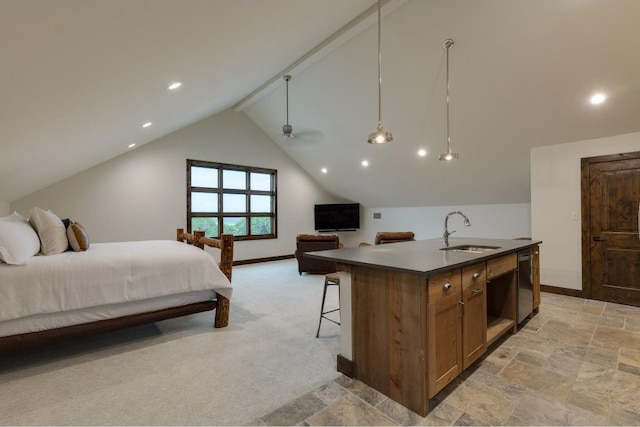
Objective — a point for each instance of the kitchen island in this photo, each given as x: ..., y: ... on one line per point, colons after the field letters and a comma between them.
x: 414, y: 316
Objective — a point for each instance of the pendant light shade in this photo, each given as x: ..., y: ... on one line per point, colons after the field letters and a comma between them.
x: 380, y: 136
x: 449, y: 154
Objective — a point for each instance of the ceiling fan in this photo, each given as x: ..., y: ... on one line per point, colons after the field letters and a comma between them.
x: 287, y: 130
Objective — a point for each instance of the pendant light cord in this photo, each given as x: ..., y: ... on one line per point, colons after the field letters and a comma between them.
x: 287, y: 80
x: 448, y: 155
x: 380, y: 136
x: 448, y: 44
x: 379, y: 70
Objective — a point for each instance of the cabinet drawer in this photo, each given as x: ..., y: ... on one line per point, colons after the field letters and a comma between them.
x: 474, y: 275
x: 498, y: 266
x: 443, y: 285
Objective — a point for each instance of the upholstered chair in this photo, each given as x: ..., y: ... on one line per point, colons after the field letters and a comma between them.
x: 383, y: 237
x: 315, y: 242
x: 394, y: 236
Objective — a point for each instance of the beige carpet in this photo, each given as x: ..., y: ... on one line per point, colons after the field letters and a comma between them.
x: 182, y: 371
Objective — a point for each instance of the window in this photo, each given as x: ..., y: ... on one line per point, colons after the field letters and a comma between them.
x: 240, y: 200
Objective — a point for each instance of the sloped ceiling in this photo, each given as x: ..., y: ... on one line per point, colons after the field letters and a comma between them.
x: 521, y: 74
x: 78, y: 79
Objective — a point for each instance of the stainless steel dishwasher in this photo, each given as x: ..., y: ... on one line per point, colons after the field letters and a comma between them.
x: 525, y: 285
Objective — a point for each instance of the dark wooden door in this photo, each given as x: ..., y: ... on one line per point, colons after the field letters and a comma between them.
x: 611, y: 240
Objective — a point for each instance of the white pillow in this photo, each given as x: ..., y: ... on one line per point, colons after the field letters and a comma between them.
x: 50, y: 229
x: 18, y: 240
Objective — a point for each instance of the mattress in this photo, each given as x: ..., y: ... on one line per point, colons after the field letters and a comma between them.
x: 108, y: 280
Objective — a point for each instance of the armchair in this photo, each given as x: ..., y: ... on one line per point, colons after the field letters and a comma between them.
x: 383, y: 237
x: 316, y: 242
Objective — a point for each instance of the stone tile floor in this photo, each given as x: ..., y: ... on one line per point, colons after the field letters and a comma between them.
x: 577, y: 362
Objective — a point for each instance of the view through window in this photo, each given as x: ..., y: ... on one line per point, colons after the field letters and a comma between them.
x: 224, y: 198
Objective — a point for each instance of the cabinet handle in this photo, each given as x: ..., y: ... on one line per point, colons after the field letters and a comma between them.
x: 461, y: 308
x: 446, y: 286
x: 476, y: 291
x: 476, y: 275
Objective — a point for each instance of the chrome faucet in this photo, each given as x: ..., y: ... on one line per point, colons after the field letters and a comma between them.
x: 446, y: 233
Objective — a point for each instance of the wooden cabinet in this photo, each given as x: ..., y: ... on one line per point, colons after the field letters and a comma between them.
x: 474, y: 313
x: 535, y: 273
x: 413, y: 334
x: 501, y: 296
x: 444, y: 325
x: 457, y: 323
x: 499, y: 266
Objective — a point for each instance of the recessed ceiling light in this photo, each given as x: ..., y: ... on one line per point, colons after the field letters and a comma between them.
x: 131, y: 145
x: 365, y: 163
x: 174, y: 85
x: 598, y: 98
x: 422, y: 152
x: 324, y: 170
x: 146, y: 125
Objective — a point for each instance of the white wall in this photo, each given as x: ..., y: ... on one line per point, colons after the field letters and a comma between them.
x: 142, y: 194
x: 4, y: 209
x: 505, y: 221
x: 555, y: 195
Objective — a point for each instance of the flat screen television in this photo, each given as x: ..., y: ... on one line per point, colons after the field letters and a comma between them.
x: 337, y: 216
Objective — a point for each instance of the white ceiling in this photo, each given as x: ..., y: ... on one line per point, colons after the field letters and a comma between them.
x: 78, y: 79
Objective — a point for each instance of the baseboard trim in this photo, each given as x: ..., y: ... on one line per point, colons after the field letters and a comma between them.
x: 345, y: 366
x: 259, y: 260
x: 561, y: 291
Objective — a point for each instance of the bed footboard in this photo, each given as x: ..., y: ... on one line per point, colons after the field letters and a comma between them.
x: 225, y: 244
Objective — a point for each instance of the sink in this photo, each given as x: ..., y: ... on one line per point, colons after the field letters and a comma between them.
x: 472, y: 249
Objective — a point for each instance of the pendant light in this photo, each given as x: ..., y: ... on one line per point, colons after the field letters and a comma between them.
x: 449, y: 155
x: 287, y: 129
x: 380, y: 136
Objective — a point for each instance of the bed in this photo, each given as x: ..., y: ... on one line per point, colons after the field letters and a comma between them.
x: 113, y: 286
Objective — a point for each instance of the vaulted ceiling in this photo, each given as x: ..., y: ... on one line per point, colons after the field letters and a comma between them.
x: 79, y: 78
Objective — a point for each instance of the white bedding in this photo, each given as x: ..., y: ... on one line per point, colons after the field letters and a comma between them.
x: 42, y: 322
x: 106, y: 274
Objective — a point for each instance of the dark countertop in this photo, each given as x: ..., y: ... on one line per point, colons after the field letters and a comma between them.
x: 422, y: 256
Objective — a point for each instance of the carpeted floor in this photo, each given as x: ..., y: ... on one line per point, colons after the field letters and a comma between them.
x: 182, y: 371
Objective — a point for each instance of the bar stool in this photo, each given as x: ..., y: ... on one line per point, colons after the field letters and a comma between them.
x: 331, y: 279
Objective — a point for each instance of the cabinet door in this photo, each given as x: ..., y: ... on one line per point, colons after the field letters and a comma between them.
x: 474, y: 324
x: 535, y: 269
x: 474, y: 313
x: 445, y: 342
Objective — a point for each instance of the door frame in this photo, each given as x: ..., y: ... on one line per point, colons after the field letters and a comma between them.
x: 585, y: 179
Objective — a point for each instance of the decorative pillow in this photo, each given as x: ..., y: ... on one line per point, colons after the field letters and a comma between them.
x: 50, y: 229
x: 78, y: 237
x: 18, y: 240
x: 67, y: 222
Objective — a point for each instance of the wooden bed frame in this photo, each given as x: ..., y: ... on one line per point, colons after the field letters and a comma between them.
x: 220, y: 304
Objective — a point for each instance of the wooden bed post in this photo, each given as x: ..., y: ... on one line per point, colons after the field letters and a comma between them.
x: 198, y: 239
x: 221, y: 319
x: 226, y: 254
x: 226, y: 264
x: 225, y: 244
